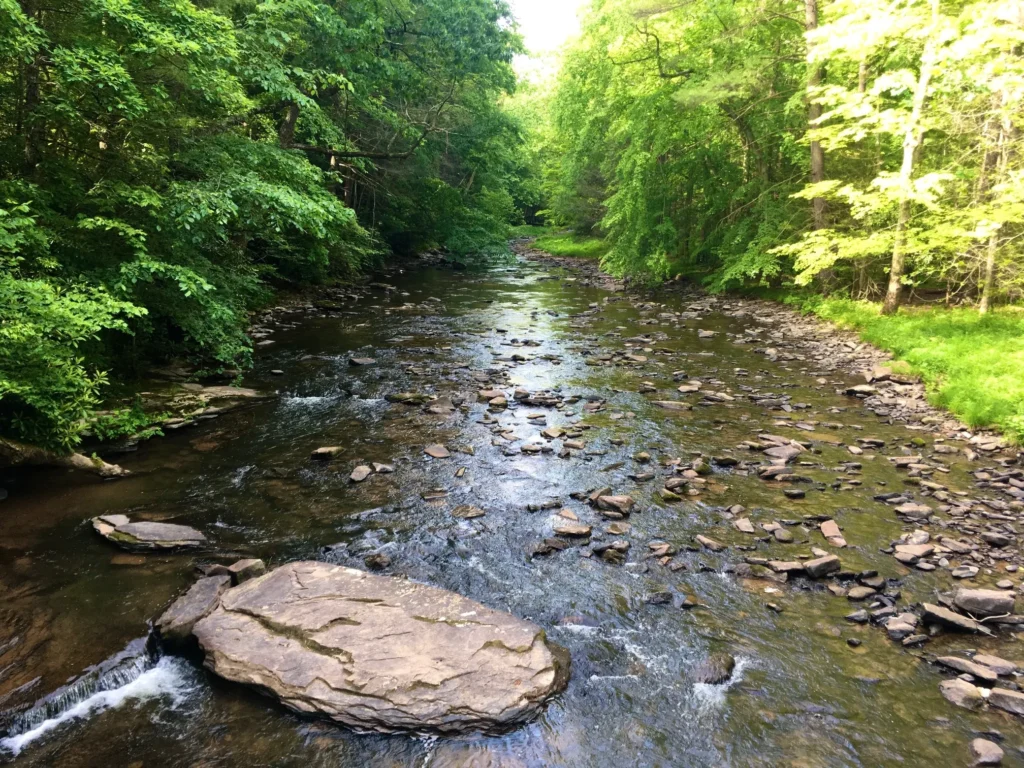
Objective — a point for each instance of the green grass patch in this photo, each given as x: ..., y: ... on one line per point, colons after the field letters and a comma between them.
x: 972, y: 364
x: 530, y: 230
x: 568, y: 244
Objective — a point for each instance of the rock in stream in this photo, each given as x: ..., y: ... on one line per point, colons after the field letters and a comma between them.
x: 379, y: 653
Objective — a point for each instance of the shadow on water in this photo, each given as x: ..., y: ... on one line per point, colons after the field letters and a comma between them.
x: 800, y: 696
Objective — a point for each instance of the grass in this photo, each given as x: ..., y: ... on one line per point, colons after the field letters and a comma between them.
x: 530, y: 230
x: 568, y: 244
x: 972, y: 364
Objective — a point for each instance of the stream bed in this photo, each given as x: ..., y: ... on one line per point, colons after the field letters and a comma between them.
x: 800, y: 695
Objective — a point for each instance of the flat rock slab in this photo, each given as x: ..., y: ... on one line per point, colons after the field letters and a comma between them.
x: 176, y: 623
x: 147, y: 536
x: 380, y: 653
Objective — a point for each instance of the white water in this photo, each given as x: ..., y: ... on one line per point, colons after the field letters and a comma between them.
x: 710, y: 698
x: 166, y: 679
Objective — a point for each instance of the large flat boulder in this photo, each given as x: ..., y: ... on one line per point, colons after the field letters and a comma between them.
x: 147, y: 536
x: 380, y: 653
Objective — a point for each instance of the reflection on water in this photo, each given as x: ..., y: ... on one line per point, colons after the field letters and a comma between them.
x: 799, y: 695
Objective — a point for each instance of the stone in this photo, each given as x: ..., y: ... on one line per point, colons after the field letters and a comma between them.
x: 327, y: 452
x: 176, y: 623
x: 915, y: 550
x: 782, y: 536
x: 437, y: 451
x: 360, y: 473
x: 467, y: 512
x: 964, y: 572
x: 716, y: 669
x: 830, y: 530
x: 786, y: 566
x: 743, y: 525
x: 985, y: 752
x: 572, y: 530
x: 860, y: 593
x: 912, y: 510
x: 377, y: 561
x: 996, y: 664
x: 147, y: 536
x: 822, y: 566
x: 996, y: 539
x: 381, y: 654
x: 897, y: 629
x: 711, y: 544
x: 936, y: 614
x: 672, y: 405
x: 243, y: 570
x: 1005, y: 699
x: 621, y: 504
x: 547, y: 547
x: 961, y: 693
x: 357, y: 361
x: 984, y: 602
x: 969, y: 667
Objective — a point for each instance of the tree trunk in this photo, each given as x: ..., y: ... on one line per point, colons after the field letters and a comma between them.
x: 814, y: 78
x: 14, y: 453
x: 988, y: 285
x: 990, y: 272
x: 33, y: 132
x: 911, y: 140
x: 286, y: 133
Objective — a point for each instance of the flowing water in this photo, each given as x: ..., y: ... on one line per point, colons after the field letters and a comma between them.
x: 800, y: 695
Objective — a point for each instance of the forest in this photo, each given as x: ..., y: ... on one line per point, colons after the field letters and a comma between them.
x: 166, y: 166
x: 856, y: 146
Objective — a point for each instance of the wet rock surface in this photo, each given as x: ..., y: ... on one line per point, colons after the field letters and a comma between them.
x: 379, y: 653
x: 176, y: 623
x: 145, y: 535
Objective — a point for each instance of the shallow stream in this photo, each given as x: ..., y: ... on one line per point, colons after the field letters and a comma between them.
x: 801, y: 696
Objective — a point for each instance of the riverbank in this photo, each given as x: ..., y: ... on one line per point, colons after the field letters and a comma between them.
x: 891, y: 389
x: 972, y: 365
x: 178, y: 395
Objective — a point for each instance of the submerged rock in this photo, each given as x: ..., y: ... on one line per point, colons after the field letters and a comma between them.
x: 146, y: 536
x: 714, y: 670
x: 380, y: 653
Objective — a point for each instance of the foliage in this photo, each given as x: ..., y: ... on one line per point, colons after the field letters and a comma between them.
x: 672, y: 135
x: 683, y: 133
x: 959, y: 198
x: 127, y: 422
x: 163, y: 164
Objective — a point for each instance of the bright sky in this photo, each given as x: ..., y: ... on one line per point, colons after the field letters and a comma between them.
x: 546, y: 24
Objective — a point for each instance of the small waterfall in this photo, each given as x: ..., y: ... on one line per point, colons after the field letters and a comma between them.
x: 136, y: 672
